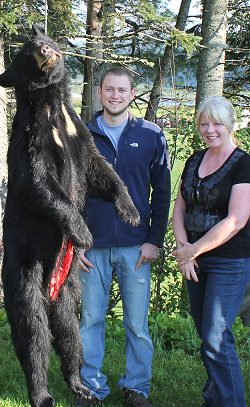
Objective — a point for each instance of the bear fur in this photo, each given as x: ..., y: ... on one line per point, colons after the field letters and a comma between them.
x: 52, y: 165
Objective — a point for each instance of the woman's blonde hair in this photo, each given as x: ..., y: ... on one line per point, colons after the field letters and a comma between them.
x: 219, y: 109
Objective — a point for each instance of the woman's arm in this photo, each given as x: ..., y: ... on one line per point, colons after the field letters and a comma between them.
x: 238, y: 215
x: 178, y: 220
x: 188, y: 269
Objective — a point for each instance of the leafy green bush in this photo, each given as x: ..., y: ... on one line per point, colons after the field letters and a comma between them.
x: 166, y: 280
x: 177, y: 332
x: 3, y: 317
x: 243, y: 138
x: 114, y: 328
x: 174, y: 332
x: 242, y: 338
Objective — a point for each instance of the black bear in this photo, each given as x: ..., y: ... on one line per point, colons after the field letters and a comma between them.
x: 52, y: 165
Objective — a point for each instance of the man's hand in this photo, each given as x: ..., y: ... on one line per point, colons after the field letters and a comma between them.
x: 149, y: 252
x: 83, y: 262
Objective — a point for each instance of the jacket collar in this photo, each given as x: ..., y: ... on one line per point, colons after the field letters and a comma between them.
x: 93, y: 127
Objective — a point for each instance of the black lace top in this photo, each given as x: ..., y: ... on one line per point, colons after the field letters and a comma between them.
x: 207, y: 200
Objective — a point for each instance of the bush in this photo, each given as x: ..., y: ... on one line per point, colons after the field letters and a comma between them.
x: 242, y: 338
x: 177, y: 332
x: 174, y: 332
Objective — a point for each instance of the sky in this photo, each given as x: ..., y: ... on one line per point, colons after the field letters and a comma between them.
x: 174, y: 6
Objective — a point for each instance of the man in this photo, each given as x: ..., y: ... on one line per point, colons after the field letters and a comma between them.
x: 137, y: 150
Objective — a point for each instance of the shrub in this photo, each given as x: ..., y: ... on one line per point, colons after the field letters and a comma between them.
x: 174, y: 332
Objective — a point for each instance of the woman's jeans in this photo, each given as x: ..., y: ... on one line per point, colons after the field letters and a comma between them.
x: 134, y: 287
x: 215, y: 302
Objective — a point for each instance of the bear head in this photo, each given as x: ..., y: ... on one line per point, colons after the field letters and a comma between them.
x: 38, y: 64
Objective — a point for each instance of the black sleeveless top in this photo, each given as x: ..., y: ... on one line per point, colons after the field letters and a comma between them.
x: 207, y: 200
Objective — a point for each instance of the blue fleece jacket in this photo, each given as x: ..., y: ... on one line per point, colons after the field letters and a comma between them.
x: 142, y: 162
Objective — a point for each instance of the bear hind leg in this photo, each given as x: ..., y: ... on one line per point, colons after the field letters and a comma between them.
x: 66, y: 337
x: 45, y: 400
x: 30, y: 332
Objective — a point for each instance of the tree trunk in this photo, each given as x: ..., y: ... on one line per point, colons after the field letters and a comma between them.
x: 4, y: 138
x: 3, y: 152
x: 90, y: 101
x: 165, y: 64
x: 100, y: 23
x: 210, y: 76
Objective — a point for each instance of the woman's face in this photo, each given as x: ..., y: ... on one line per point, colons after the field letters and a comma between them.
x: 214, y: 134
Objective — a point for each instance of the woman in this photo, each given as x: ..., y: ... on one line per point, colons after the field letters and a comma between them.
x: 212, y: 230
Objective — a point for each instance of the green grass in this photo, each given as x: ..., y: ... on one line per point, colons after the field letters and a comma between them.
x: 177, y: 376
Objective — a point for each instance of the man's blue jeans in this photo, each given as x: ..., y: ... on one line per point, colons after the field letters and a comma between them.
x: 134, y: 287
x: 215, y: 302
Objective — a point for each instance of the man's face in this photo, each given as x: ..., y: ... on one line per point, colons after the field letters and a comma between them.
x: 116, y: 94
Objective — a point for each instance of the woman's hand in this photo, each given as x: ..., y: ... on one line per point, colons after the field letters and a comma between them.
x: 185, y: 253
x: 189, y: 270
x: 187, y: 264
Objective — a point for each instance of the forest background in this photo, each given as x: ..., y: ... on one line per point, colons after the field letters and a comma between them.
x: 178, y: 59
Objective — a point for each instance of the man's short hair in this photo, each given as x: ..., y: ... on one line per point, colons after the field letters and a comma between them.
x: 119, y: 71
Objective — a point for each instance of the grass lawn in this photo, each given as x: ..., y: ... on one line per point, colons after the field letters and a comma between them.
x: 177, y: 377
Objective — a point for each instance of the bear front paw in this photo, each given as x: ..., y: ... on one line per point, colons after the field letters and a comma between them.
x: 80, y: 234
x: 128, y: 211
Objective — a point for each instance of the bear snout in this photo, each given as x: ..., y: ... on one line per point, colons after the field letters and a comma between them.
x: 46, y: 50
x: 45, y: 56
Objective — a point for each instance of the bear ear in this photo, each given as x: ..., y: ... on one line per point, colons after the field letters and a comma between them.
x: 38, y: 29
